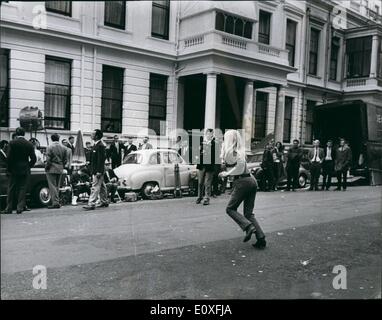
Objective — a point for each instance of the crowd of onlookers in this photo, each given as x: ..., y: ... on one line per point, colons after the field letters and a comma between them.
x: 95, y: 180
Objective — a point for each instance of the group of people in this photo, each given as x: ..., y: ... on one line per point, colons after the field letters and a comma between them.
x: 329, y: 161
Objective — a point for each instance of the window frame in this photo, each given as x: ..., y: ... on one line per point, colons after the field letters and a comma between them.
x: 113, y: 69
x: 68, y: 14
x: 235, y: 18
x: 156, y: 76
x: 310, y: 104
x: 334, y: 59
x: 289, y: 119
x: 312, y: 53
x: 166, y: 34
x: 6, y: 53
x: 67, y: 122
x: 114, y: 25
x: 293, y: 55
x: 363, y: 56
x: 265, y: 117
x: 261, y: 35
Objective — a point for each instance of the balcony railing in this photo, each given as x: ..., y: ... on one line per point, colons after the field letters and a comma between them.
x: 374, y: 15
x: 233, y: 44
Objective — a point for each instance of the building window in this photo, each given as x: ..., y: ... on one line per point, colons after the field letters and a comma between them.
x: 261, y: 115
x: 288, y: 119
x: 112, y: 97
x: 4, y: 88
x: 291, y: 40
x: 160, y: 19
x: 115, y: 14
x: 60, y: 7
x: 359, y: 57
x: 233, y: 25
x: 313, y: 51
x: 158, y: 103
x: 57, y: 93
x: 309, y: 121
x: 264, y: 26
x: 334, y: 58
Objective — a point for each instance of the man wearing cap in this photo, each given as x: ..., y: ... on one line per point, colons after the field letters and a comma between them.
x: 146, y: 145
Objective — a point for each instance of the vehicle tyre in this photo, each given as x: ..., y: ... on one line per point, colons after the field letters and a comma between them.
x: 147, y: 190
x: 302, y: 179
x: 42, y: 195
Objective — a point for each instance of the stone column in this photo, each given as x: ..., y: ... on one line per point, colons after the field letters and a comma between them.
x: 374, y: 57
x: 248, y: 114
x: 279, y: 118
x: 210, y: 106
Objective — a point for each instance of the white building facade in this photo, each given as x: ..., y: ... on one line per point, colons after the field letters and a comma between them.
x: 151, y: 67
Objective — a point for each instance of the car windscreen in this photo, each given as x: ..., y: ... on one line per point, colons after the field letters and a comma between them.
x: 134, y: 158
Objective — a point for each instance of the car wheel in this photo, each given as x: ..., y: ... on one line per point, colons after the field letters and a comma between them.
x: 302, y: 181
x: 147, y: 189
x: 42, y: 195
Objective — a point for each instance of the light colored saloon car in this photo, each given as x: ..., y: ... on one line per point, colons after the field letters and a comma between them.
x: 146, y: 170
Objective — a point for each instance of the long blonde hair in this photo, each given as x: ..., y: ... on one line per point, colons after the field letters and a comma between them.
x: 233, y: 147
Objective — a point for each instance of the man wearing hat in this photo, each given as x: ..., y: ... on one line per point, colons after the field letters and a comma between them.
x: 111, y: 180
x: 146, y: 145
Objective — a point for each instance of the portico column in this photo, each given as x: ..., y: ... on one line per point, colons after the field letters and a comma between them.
x: 280, y: 110
x: 374, y: 57
x: 210, y: 107
x: 248, y: 114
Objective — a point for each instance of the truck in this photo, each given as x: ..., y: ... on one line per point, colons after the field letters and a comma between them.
x: 360, y: 124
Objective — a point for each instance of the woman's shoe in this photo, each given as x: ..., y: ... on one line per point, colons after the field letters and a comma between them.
x: 250, y: 230
x: 260, y: 243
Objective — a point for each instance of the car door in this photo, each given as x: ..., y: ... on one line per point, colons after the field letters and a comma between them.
x: 184, y: 168
x: 168, y: 167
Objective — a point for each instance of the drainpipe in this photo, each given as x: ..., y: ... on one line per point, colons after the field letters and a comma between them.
x: 328, y: 47
x: 94, y: 86
x: 175, y: 67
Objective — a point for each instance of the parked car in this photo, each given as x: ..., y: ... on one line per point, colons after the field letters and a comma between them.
x: 146, y: 170
x: 254, y: 165
x: 37, y: 191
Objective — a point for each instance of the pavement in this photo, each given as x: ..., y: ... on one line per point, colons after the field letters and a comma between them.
x: 175, y: 249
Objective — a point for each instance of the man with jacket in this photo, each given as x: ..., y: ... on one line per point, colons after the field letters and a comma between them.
x: 129, y: 147
x: 146, y: 144
x: 56, y: 161
x: 115, y: 152
x: 316, y: 157
x: 206, y: 167
x: 20, y: 159
x: 342, y: 164
x: 97, y: 165
x: 328, y: 165
x: 111, y: 181
x: 293, y: 165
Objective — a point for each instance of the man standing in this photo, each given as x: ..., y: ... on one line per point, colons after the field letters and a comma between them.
x: 129, y: 147
x: 71, y: 143
x: 293, y: 165
x: 97, y: 161
x: 88, y: 152
x: 111, y: 181
x: 342, y: 164
x: 316, y: 157
x: 115, y: 152
x: 328, y: 165
x: 20, y: 159
x: 146, y: 144
x: 206, y: 167
x: 56, y: 161
x: 267, y: 166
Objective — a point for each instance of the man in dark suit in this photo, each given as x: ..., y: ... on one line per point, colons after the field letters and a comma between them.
x: 20, y: 159
x: 3, y: 153
x: 316, y: 157
x: 88, y: 152
x: 111, y: 181
x: 328, y: 165
x: 293, y: 165
x: 56, y: 161
x: 97, y: 165
x: 129, y: 147
x: 71, y: 144
x: 206, y: 167
x: 115, y: 152
x: 342, y: 164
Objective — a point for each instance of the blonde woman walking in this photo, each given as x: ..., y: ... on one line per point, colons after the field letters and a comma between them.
x: 244, y: 187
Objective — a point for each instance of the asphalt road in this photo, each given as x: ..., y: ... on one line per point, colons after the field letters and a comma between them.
x: 173, y: 248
